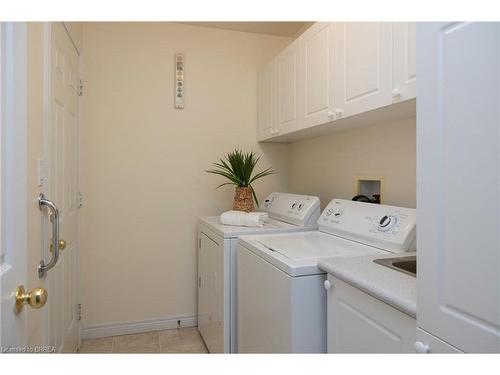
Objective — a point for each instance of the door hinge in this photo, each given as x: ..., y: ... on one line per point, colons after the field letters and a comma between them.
x: 199, y: 243
x: 80, y: 87
x: 79, y: 199
x: 199, y: 282
x: 79, y: 312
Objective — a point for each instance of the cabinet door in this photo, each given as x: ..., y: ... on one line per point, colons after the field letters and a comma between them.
x: 362, y: 67
x: 317, y: 75
x: 360, y: 323
x: 288, y: 88
x: 404, y: 70
x: 266, y: 101
x: 458, y: 200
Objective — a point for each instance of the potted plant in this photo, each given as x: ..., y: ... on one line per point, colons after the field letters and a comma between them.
x: 238, y: 168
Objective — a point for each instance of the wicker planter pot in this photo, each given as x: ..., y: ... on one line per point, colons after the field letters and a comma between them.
x: 243, y: 199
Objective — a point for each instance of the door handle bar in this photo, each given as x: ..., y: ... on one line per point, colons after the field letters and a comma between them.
x: 42, y: 267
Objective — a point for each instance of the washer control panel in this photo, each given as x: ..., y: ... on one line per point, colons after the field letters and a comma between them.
x: 389, y: 228
x: 302, y: 210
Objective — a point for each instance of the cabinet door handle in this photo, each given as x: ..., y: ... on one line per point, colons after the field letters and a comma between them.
x: 327, y: 284
x: 331, y: 115
x: 339, y: 112
x: 420, y: 347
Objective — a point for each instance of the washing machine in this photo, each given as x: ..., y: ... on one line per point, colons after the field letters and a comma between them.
x: 281, y: 298
x: 217, y: 262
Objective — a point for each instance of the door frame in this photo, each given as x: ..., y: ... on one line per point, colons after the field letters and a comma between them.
x: 14, y: 167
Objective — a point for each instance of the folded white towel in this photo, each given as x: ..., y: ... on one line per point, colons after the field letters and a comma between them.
x: 246, y: 219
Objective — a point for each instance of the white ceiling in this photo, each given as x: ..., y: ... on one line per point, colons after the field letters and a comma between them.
x: 289, y: 29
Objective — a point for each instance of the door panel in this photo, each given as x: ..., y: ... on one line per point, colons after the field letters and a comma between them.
x: 288, y: 88
x: 360, y: 323
x: 267, y: 101
x: 62, y: 153
x: 362, y: 67
x: 404, y: 61
x: 317, y: 74
x: 458, y: 130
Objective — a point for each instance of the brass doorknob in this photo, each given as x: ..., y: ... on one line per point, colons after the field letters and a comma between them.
x: 35, y: 298
x: 62, y: 245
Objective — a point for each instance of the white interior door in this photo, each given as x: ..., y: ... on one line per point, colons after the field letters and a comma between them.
x: 62, y: 156
x: 13, y: 202
x: 458, y: 152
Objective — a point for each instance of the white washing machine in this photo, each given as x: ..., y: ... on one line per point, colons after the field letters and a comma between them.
x: 217, y: 263
x: 281, y: 298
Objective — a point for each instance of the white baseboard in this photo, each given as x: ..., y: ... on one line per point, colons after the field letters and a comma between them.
x: 116, y: 329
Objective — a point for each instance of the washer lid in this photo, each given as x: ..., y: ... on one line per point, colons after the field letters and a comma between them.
x: 232, y: 231
x: 297, y: 254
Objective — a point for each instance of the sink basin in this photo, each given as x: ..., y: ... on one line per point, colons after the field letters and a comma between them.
x: 406, y: 265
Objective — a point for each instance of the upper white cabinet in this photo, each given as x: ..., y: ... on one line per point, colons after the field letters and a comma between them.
x: 267, y: 121
x: 404, y: 66
x: 458, y: 177
x: 288, y: 63
x: 335, y: 71
x: 362, y: 67
x: 317, y: 74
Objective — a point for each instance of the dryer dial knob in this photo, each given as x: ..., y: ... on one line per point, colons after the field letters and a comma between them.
x: 337, y: 212
x: 387, y: 222
x: 269, y: 201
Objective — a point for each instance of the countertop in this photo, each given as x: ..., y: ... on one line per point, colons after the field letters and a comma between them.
x: 390, y: 286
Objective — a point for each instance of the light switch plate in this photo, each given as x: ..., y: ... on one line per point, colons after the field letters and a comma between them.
x: 41, y: 171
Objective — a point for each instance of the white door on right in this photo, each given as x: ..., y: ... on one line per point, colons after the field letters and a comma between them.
x: 362, y: 66
x: 458, y: 190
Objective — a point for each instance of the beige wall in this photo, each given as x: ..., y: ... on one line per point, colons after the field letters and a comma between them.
x: 143, y: 161
x: 328, y: 166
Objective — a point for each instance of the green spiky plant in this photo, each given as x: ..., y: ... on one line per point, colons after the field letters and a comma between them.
x: 238, y: 168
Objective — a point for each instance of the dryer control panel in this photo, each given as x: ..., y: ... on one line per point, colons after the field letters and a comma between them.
x: 302, y: 210
x: 389, y: 228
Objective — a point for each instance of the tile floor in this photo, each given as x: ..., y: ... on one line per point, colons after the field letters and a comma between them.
x: 183, y: 340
